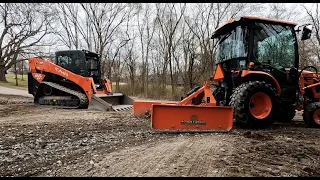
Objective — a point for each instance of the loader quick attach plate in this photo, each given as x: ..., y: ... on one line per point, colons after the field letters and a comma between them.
x: 168, y: 117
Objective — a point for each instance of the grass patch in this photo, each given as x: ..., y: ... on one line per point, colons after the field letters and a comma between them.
x: 23, y: 84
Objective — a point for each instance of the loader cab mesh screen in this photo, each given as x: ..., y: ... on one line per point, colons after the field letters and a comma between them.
x: 93, y: 67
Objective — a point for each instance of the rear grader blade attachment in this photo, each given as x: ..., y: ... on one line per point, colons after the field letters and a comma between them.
x: 110, y: 102
x: 197, y: 112
x: 181, y: 118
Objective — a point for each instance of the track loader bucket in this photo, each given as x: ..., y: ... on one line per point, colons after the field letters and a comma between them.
x: 110, y: 102
x: 197, y: 112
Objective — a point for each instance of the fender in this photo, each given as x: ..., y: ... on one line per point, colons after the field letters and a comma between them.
x: 273, y: 81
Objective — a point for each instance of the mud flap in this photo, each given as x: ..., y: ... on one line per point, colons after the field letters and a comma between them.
x: 166, y: 117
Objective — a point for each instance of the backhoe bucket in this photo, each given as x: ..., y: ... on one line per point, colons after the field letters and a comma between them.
x: 169, y: 117
x: 111, y: 102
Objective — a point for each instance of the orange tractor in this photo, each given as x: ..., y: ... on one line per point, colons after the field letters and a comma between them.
x: 257, y: 74
x: 74, y: 81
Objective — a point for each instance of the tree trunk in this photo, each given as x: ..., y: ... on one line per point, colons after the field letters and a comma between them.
x: 3, y: 74
x: 22, y: 62
x: 16, y: 73
x: 118, y: 85
x: 147, y: 80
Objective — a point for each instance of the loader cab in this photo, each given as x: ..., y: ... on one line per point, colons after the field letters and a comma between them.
x: 82, y: 62
x: 271, y: 45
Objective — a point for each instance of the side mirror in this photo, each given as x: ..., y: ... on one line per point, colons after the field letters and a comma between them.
x: 306, y: 32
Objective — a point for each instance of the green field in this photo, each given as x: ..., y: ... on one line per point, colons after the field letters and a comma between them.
x: 12, y: 82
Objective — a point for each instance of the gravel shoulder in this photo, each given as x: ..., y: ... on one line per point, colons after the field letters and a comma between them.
x: 13, y: 91
x: 40, y: 141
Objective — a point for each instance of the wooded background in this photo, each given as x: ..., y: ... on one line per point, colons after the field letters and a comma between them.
x: 148, y: 49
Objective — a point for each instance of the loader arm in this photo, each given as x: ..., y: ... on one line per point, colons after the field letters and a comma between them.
x: 40, y: 67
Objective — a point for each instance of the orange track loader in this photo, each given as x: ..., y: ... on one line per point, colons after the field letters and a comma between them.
x: 73, y: 81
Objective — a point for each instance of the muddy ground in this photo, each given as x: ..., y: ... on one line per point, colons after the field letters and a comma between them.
x: 39, y: 141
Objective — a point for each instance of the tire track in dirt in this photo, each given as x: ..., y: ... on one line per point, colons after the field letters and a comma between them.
x: 145, y: 156
x: 133, y: 161
x: 181, y: 155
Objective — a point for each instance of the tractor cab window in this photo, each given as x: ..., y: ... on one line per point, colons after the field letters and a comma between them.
x: 232, y: 45
x: 274, y: 44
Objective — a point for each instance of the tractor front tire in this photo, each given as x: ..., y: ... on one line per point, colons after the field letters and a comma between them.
x: 256, y: 105
x: 311, y: 115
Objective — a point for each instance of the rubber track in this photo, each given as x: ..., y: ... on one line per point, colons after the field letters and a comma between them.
x: 84, y: 102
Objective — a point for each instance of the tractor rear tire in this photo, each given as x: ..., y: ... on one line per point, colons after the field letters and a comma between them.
x: 311, y: 114
x: 286, y: 114
x: 256, y: 105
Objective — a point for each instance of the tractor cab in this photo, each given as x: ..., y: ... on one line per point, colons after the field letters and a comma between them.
x: 257, y: 40
x: 82, y: 62
x: 259, y: 44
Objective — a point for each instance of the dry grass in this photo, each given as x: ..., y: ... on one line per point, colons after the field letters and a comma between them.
x: 154, y: 92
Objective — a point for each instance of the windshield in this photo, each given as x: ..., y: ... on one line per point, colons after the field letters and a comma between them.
x: 232, y: 45
x: 274, y: 43
x: 71, y: 61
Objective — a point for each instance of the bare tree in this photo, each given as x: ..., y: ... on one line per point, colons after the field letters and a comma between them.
x: 202, y: 23
x: 106, y: 20
x: 309, y: 50
x: 146, y: 32
x: 69, y: 20
x: 130, y: 61
x: 23, y: 26
x: 283, y: 11
x: 168, y: 19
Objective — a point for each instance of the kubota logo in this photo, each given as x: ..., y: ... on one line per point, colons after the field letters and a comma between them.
x: 61, y: 72
x: 38, y: 76
x: 193, y: 120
